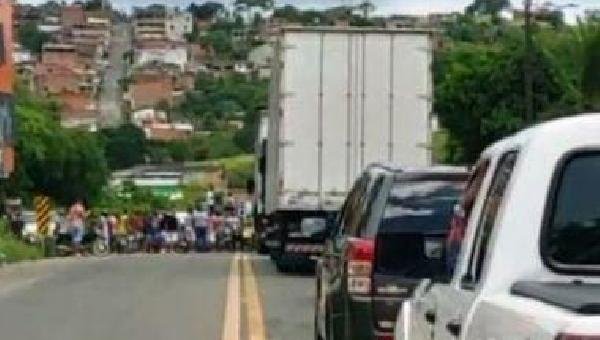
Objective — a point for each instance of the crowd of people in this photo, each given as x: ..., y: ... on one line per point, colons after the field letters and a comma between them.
x: 212, y: 228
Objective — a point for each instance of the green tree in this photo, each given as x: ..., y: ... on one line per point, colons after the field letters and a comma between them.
x: 125, y: 146
x: 32, y: 38
x: 221, y: 42
x: 263, y: 4
x: 206, y: 10
x: 591, y: 68
x: 479, y: 94
x: 63, y: 164
x: 492, y: 7
x: 366, y: 7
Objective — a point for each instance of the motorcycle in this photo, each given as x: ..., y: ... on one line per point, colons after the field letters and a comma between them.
x: 129, y: 243
x: 225, y: 239
x: 92, y: 243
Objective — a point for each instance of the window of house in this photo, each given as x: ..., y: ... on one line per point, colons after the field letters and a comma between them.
x: 2, y: 47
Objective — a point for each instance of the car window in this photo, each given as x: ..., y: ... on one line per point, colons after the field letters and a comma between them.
x: 368, y: 225
x: 420, y: 205
x: 357, y: 209
x: 349, y: 212
x: 573, y: 233
x: 312, y: 225
x: 493, y: 201
x: 473, y: 187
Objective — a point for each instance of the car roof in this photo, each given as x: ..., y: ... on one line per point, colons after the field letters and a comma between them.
x: 434, y: 173
x: 547, y: 133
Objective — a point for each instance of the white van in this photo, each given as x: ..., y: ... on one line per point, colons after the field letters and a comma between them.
x: 529, y: 265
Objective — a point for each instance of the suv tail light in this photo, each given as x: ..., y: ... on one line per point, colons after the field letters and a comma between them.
x: 361, y: 253
x: 571, y: 336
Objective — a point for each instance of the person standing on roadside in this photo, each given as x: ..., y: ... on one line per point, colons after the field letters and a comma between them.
x: 189, y: 233
x: 153, y: 235
x: 105, y: 229
x: 213, y: 226
x: 112, y: 228
x: 201, y: 229
x: 76, y: 218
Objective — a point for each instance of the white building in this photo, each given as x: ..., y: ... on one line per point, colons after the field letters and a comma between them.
x: 21, y: 55
x: 178, y: 24
x: 159, y: 22
x: 592, y: 14
x: 139, y: 117
x: 260, y: 60
x: 161, y: 52
x: 49, y: 28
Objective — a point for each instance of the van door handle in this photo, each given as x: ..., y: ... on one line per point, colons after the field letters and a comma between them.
x: 454, y: 327
x: 430, y: 316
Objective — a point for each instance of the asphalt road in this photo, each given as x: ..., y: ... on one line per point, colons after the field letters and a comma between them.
x: 110, y: 95
x: 206, y: 296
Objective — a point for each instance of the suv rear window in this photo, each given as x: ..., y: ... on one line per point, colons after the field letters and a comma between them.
x: 413, y: 227
x: 420, y: 205
x: 572, y: 236
x: 308, y: 226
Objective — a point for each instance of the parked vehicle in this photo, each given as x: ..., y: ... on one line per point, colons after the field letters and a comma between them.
x: 92, y: 243
x: 301, y: 236
x: 261, y: 223
x: 30, y: 229
x: 390, y: 235
x: 529, y: 264
x: 359, y: 104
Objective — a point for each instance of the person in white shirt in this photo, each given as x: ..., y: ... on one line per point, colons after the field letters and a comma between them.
x: 200, y: 222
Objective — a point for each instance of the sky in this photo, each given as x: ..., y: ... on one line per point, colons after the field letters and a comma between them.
x: 383, y: 6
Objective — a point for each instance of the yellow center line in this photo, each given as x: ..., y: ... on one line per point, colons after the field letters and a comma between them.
x: 231, y: 322
x: 254, y: 310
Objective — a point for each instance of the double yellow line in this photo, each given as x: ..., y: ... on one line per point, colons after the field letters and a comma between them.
x: 242, y: 279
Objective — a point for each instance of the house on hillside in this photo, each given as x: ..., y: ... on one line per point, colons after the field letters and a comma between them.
x: 161, y: 22
x: 260, y: 59
x: 167, y: 132
x: 78, y: 109
x: 72, y: 15
x: 161, y: 51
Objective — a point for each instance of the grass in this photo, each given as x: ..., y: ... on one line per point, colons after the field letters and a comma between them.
x: 14, y: 250
x: 238, y: 169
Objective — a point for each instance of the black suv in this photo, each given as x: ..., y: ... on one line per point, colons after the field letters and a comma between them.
x: 389, y: 235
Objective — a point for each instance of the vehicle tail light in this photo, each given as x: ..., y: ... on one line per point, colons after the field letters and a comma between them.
x: 385, y: 337
x: 571, y: 336
x: 361, y: 253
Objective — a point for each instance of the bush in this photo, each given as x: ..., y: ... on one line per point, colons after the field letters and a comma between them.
x: 14, y: 250
x: 239, y: 170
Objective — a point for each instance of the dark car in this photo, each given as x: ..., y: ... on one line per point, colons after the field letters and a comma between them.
x: 389, y: 235
x: 298, y: 237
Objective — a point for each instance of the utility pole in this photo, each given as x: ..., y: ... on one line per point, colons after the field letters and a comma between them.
x: 530, y: 115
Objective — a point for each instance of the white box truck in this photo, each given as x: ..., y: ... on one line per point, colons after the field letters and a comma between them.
x: 340, y: 99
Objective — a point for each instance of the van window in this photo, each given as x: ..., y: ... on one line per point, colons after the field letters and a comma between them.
x: 489, y: 214
x: 572, y: 236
